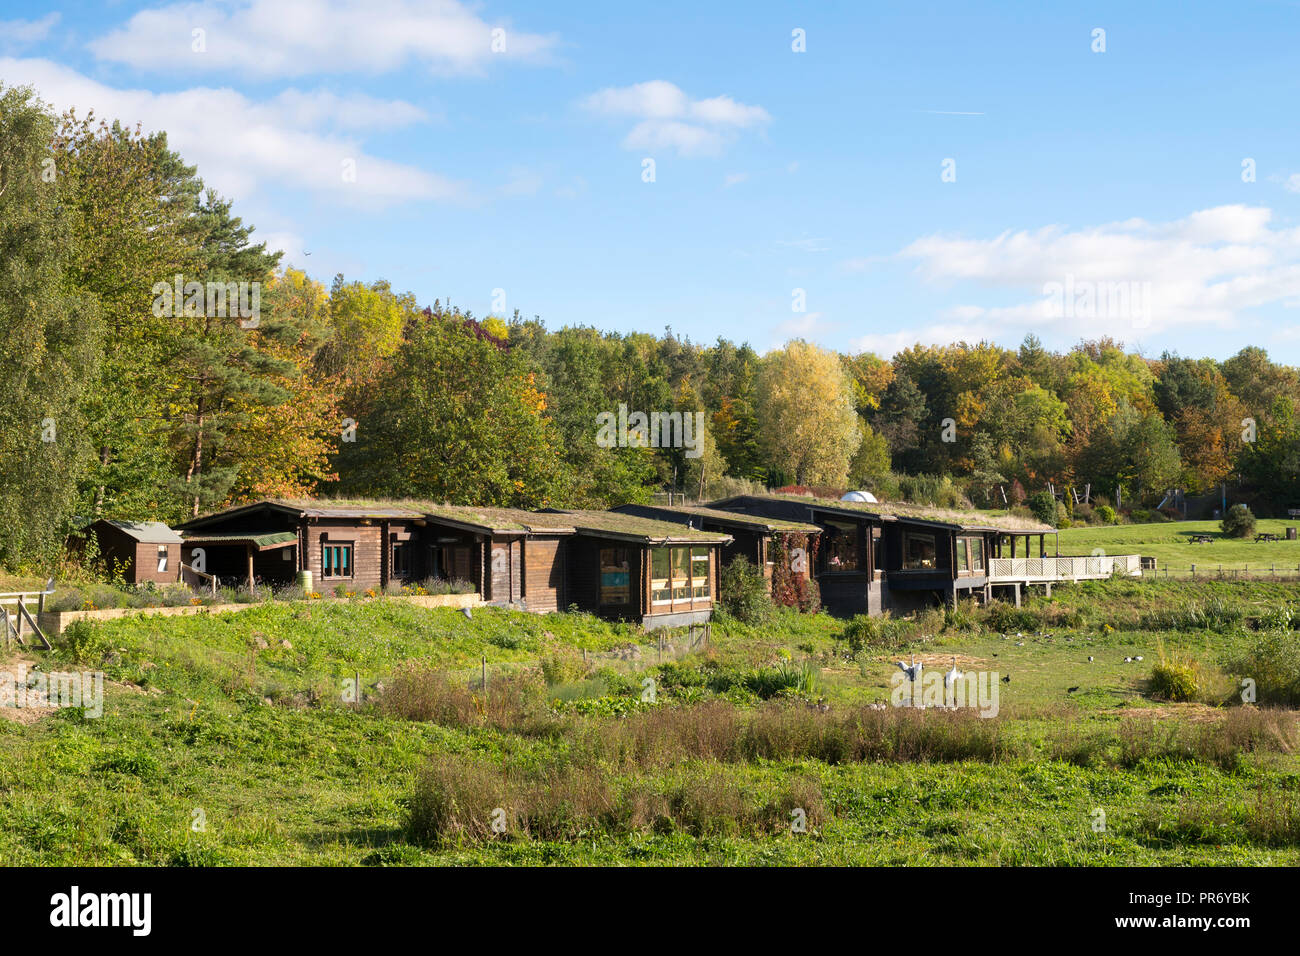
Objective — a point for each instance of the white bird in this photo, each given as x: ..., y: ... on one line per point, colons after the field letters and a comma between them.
x: 1138, y: 658
x: 1089, y: 658
x: 1128, y: 660
x: 950, y: 680
x: 1020, y: 643
x: 914, y: 672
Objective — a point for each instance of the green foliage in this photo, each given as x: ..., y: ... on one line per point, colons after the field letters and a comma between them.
x: 1044, y: 507
x: 82, y: 643
x: 1239, y: 522
x: 744, y: 592
x: 1272, y: 661
x: 1106, y: 514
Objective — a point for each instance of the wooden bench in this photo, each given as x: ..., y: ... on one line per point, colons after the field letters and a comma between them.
x: 1267, y: 536
x: 1200, y: 539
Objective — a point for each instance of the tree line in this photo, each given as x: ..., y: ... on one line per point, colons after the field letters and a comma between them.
x: 117, y: 401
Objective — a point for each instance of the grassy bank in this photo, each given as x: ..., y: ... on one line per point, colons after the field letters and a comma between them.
x: 230, y: 740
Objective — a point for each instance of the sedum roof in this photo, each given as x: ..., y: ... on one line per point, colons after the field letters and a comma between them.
x: 966, y: 519
x: 753, y: 522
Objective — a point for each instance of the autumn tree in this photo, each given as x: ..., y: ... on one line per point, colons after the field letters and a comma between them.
x: 806, y: 416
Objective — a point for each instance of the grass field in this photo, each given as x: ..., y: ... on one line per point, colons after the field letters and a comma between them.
x: 238, y: 723
x: 1169, y: 543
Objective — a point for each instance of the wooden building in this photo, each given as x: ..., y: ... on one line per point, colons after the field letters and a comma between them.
x: 657, y: 573
x: 883, y: 556
x: 142, y: 551
x: 762, y: 540
x: 619, y: 566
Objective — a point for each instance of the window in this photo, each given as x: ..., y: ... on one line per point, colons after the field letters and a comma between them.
x: 679, y: 574
x: 660, y: 562
x: 839, y: 549
x: 336, y: 561
x: 401, y: 564
x: 977, y: 554
x: 963, y: 565
x: 700, y: 572
x: 615, y: 576
x: 162, y: 558
x: 918, y: 552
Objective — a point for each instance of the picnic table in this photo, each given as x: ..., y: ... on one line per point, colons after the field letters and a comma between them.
x: 1201, y: 539
x: 1267, y: 536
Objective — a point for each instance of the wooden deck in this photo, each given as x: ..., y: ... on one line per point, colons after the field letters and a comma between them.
x: 1077, y: 568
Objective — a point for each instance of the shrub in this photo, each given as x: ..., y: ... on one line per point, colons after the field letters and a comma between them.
x: 883, y: 633
x: 82, y: 642
x: 1004, y: 617
x: 1238, y: 522
x: 1106, y: 513
x: 1043, y: 506
x: 1272, y: 661
x: 1176, y: 679
x: 744, y: 593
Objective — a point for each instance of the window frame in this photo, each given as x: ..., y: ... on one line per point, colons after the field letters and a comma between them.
x: 907, y: 563
x: 327, y: 571
x: 824, y: 552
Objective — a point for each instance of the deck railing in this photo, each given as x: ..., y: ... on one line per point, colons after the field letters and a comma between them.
x: 1075, y: 568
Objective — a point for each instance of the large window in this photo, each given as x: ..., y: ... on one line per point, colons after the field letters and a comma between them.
x: 970, y: 555
x: 977, y: 554
x: 162, y: 558
x: 918, y: 552
x: 963, y: 565
x: 336, y: 561
x: 839, y: 547
x: 700, y: 572
x: 615, y: 576
x: 678, y: 574
x: 401, y: 559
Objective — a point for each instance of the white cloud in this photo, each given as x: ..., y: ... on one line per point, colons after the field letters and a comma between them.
x: 16, y: 34
x: 669, y: 119
x: 1292, y: 183
x: 1126, y: 279
x: 302, y: 37
x: 295, y: 140
x: 733, y: 179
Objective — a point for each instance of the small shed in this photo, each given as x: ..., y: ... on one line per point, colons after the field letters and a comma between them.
x: 142, y: 551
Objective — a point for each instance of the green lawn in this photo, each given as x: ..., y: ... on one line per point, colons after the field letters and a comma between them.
x: 216, y: 719
x: 1169, y: 543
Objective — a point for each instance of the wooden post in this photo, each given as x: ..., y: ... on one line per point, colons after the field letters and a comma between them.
x: 484, y: 666
x: 250, y: 569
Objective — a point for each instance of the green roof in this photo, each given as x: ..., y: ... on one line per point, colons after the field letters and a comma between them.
x: 263, y: 542
x: 756, y: 522
x: 617, y: 524
x: 992, y: 520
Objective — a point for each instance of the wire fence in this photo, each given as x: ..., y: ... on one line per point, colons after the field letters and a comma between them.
x: 1246, y: 572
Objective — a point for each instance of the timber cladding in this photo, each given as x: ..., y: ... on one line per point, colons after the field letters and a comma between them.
x: 365, y: 557
x: 543, y: 574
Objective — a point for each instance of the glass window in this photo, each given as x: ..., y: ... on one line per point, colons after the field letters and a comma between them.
x: 660, y: 563
x: 839, y: 548
x: 700, y: 572
x: 977, y: 554
x: 918, y: 552
x: 681, y: 574
x: 615, y: 576
x: 336, y: 561
x: 962, y: 563
x: 162, y: 558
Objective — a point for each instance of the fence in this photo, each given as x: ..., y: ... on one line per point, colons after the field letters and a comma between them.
x: 1218, y: 572
x: 1077, y: 568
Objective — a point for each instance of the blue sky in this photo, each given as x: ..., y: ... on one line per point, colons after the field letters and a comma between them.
x: 1115, y: 174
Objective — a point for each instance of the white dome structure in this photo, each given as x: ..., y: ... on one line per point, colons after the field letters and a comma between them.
x: 864, y: 497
